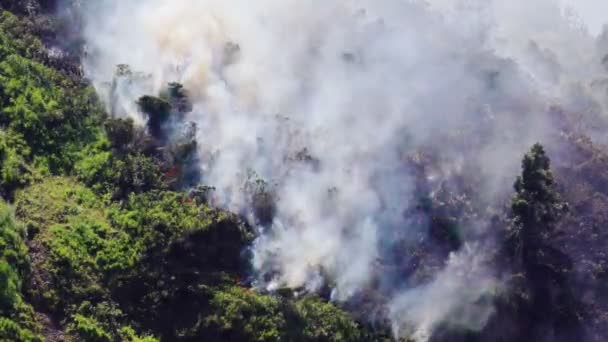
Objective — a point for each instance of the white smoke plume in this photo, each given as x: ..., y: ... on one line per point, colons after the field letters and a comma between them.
x: 356, y: 86
x: 423, y: 307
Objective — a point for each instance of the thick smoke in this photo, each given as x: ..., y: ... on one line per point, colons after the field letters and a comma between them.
x: 450, y: 293
x: 327, y: 101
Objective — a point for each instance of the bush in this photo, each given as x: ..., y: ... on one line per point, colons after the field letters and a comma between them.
x: 16, y: 322
x: 239, y: 314
x: 71, y: 228
x: 46, y: 118
x: 120, y: 132
x: 319, y: 321
x: 11, y: 331
x: 118, y: 175
x: 88, y: 329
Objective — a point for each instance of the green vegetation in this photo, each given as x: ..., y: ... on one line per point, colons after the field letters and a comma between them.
x: 117, y: 174
x: 158, y: 111
x: 16, y: 316
x: 536, y: 205
x: 110, y: 253
x: 68, y: 225
x: 46, y: 118
x: 99, y: 242
x: 160, y: 261
x: 537, y: 209
x: 320, y: 321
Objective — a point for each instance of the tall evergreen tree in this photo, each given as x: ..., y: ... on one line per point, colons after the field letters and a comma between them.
x: 552, y: 312
x: 536, y: 206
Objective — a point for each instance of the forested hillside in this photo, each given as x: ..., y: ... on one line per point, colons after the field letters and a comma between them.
x: 117, y: 226
x: 99, y: 243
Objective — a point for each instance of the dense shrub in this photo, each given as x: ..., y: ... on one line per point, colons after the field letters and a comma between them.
x: 316, y: 320
x: 46, y: 117
x: 68, y: 222
x: 12, y: 331
x: 238, y: 314
x: 16, y: 317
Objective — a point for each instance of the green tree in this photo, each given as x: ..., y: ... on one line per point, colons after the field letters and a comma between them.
x: 120, y: 132
x: 536, y: 206
x: 178, y: 96
x: 550, y: 306
x: 158, y: 111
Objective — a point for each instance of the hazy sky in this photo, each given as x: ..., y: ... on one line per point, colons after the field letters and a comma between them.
x: 593, y: 12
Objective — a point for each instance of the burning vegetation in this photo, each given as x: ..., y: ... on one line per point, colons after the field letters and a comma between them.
x: 394, y: 171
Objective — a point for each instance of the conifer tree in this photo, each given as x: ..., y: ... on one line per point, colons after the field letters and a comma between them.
x: 536, y: 206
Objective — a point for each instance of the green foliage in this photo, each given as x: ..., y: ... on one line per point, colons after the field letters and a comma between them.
x: 13, y: 168
x: 117, y: 174
x: 242, y: 315
x: 155, y: 107
x: 321, y: 321
x: 138, y: 174
x: 158, y: 218
x: 96, y: 168
x: 158, y: 111
x: 128, y: 334
x: 168, y: 262
x: 187, y: 245
x: 16, y: 319
x: 120, y: 132
x: 46, y: 118
x: 160, y: 260
x: 72, y: 228
x: 12, y: 247
x: 18, y: 35
x: 233, y: 313
x: 536, y: 206
x: 111, y: 253
x: 9, y: 287
x: 536, y: 200
x: 10, y: 331
x: 145, y: 254
x: 88, y: 329
x: 38, y: 106
x: 81, y: 251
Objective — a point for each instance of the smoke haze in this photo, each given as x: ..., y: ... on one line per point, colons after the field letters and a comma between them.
x: 328, y: 100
